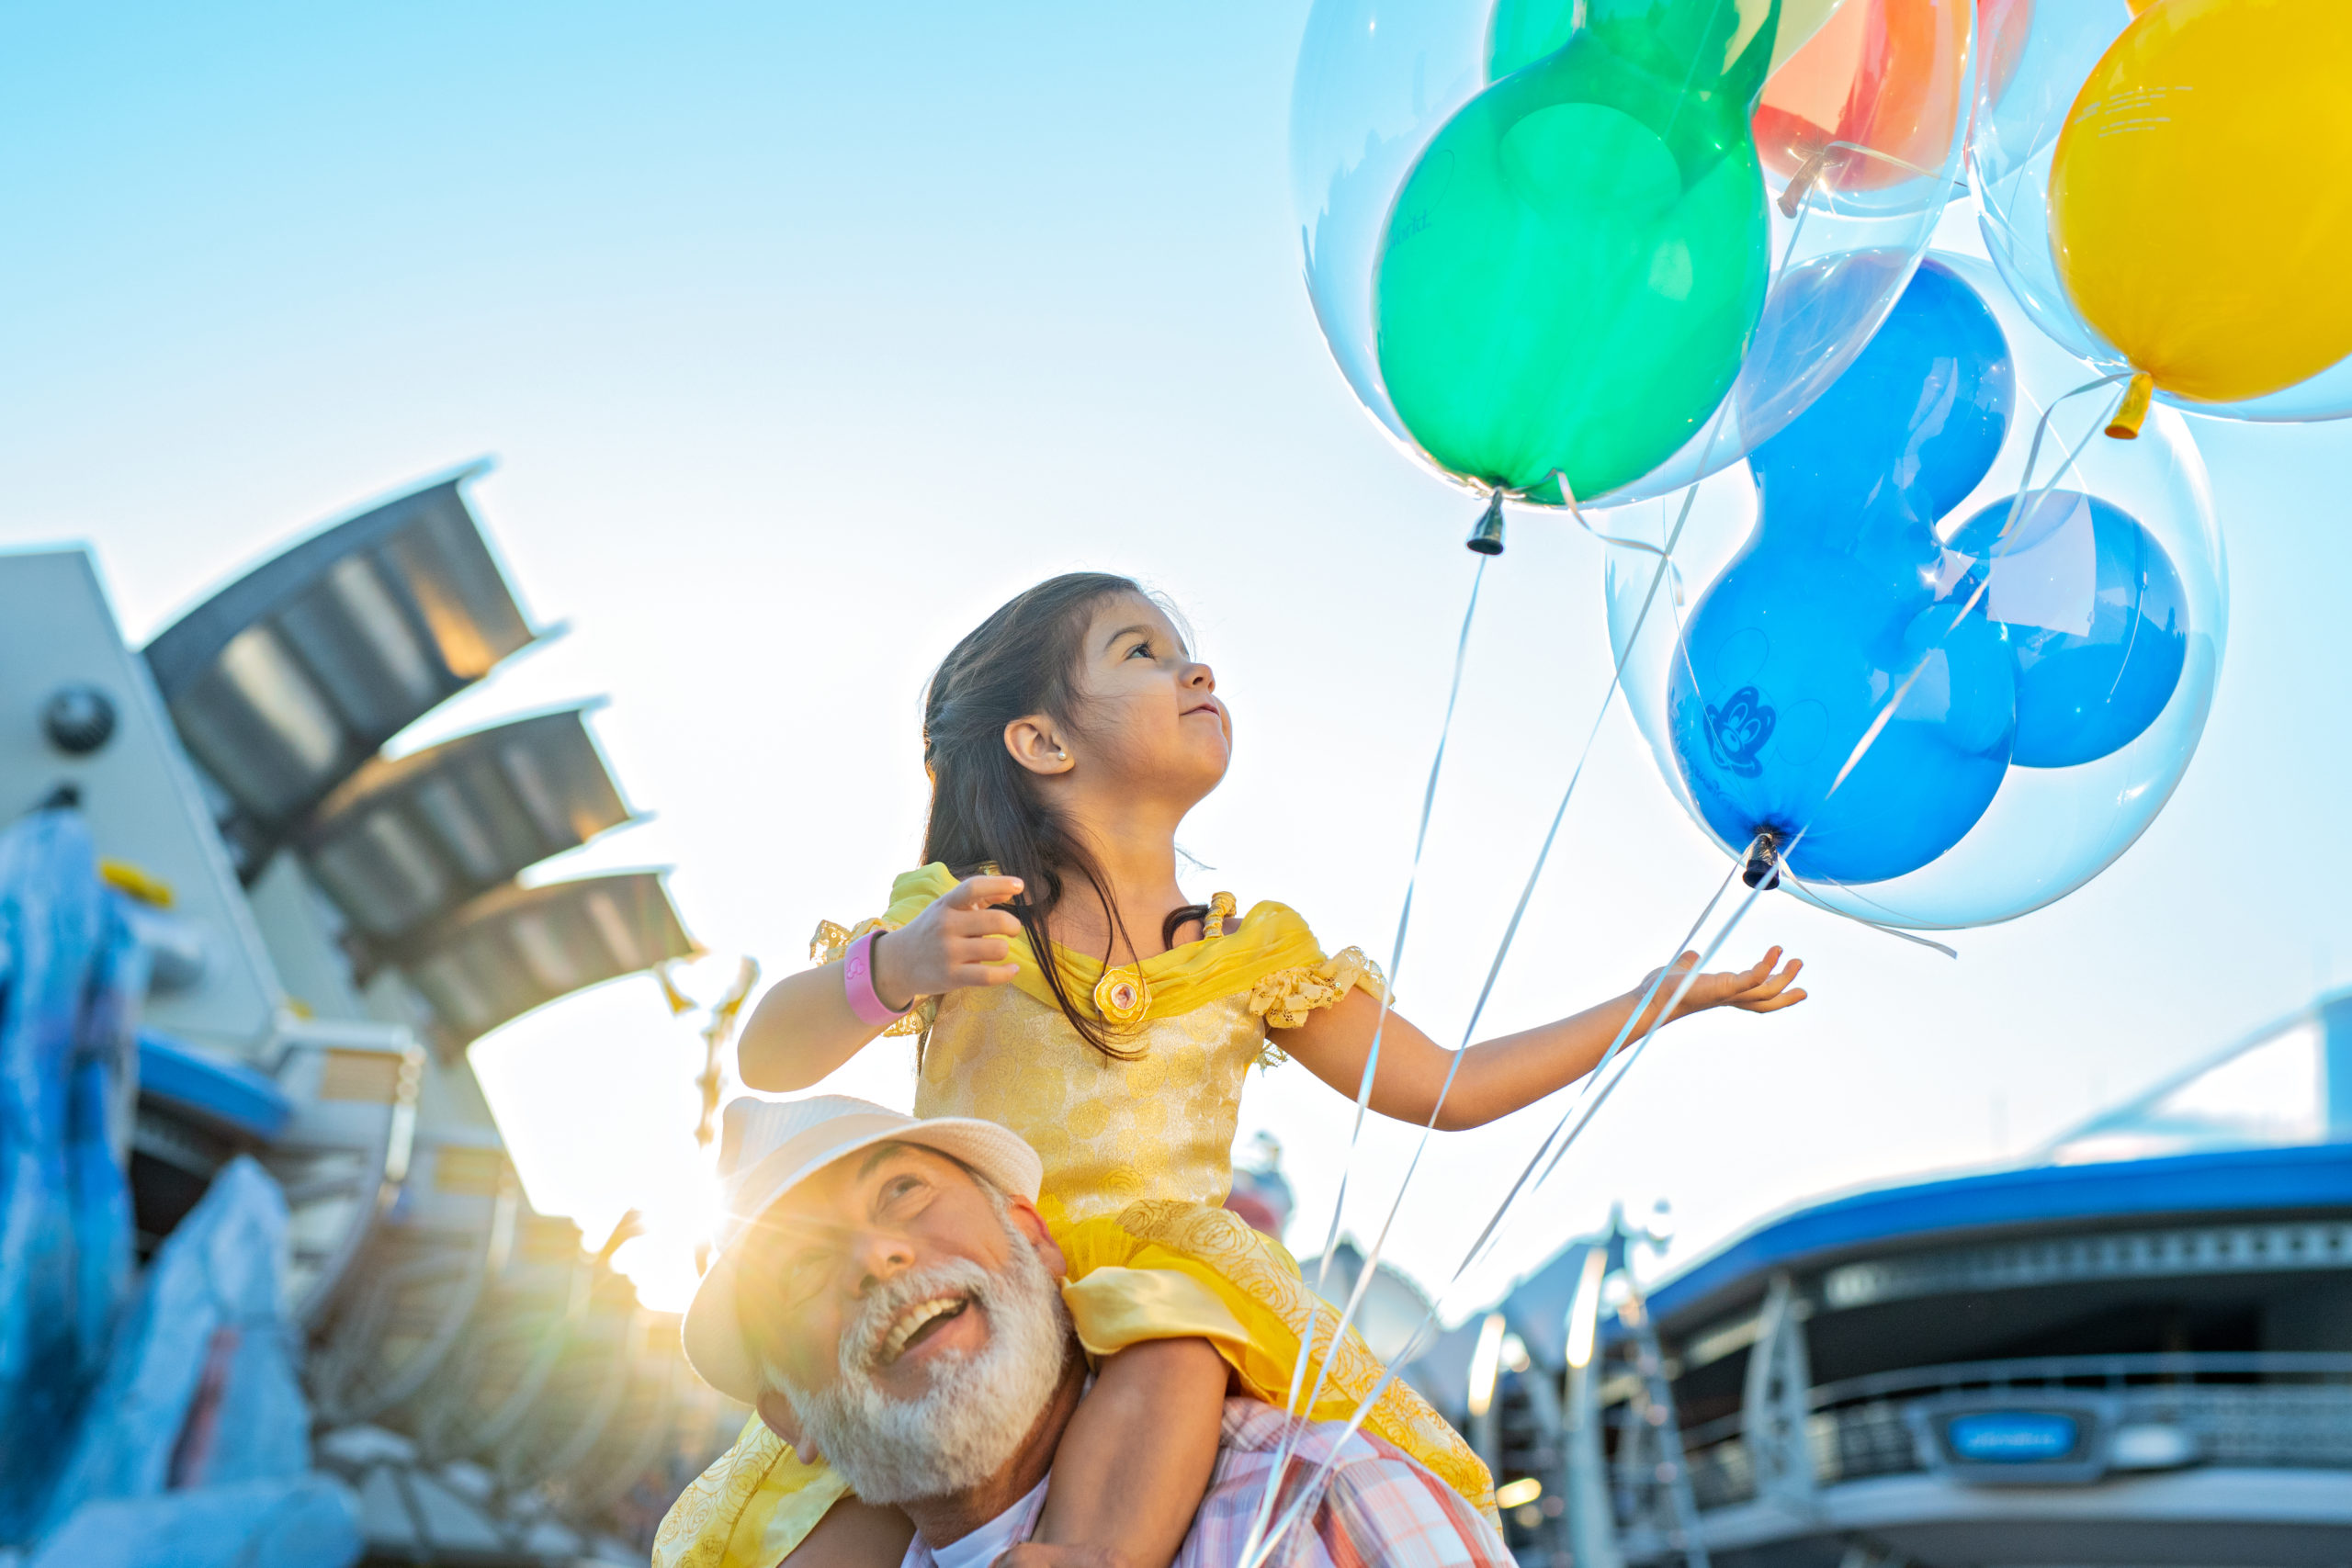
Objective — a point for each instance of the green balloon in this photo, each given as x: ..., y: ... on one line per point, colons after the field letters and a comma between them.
x: 1524, y: 31
x: 1572, y: 268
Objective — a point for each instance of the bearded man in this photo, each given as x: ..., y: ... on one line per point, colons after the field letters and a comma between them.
x: 886, y: 1295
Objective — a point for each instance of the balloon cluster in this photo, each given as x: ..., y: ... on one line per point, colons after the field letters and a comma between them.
x: 1564, y: 251
x: 1953, y: 646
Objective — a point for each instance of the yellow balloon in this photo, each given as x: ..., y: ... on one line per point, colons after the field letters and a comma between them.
x: 2201, y: 196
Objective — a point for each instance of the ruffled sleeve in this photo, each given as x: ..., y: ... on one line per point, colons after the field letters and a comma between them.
x: 910, y: 894
x: 1284, y: 998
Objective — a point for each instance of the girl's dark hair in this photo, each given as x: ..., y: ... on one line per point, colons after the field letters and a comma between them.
x: 986, y: 810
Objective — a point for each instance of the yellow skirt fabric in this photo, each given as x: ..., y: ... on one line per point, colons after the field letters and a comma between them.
x: 754, y: 1503
x: 1158, y: 1270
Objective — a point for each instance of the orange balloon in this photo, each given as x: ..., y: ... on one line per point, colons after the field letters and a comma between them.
x: 1880, y: 74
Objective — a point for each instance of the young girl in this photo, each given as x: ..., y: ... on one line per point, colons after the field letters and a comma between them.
x: 1068, y: 988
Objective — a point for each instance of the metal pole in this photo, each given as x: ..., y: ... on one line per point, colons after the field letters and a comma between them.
x: 715, y: 1036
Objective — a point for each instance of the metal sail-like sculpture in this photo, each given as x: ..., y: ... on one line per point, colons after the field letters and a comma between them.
x: 404, y: 842
x: 287, y: 681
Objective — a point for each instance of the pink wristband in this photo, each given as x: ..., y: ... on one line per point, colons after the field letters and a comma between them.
x: 857, y: 981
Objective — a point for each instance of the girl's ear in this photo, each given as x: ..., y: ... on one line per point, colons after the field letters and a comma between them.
x: 1035, y: 743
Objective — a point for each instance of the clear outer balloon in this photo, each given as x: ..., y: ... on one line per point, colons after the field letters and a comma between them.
x: 1378, y: 80
x: 2066, y: 592
x: 2209, y: 247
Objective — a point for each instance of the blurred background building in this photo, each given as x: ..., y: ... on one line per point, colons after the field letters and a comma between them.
x: 2133, y: 1348
x: 242, y: 956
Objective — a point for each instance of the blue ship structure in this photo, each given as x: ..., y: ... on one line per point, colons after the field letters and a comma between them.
x: 2134, y: 1348
x: 271, y: 1292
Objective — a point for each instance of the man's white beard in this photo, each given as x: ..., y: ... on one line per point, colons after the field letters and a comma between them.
x: 979, y: 1407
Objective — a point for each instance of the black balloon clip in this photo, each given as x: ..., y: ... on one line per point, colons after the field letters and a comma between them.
x: 1763, y: 867
x: 1486, y: 538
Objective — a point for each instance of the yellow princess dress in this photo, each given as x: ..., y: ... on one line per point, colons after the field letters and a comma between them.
x: 1138, y: 1160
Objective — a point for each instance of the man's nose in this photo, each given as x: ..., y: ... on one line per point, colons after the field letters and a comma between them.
x: 877, y: 1257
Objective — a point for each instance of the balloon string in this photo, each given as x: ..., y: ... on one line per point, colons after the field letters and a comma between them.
x: 1416, y: 1343
x: 1371, y: 1259
x: 1404, y: 925
x: 1511, y: 934
x: 1589, y: 1100
x: 1371, y: 1058
x: 1580, y: 1113
x: 1807, y: 893
x: 1494, y: 967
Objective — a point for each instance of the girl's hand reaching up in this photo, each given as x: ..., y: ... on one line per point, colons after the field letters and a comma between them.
x: 1757, y: 990
x: 1419, y: 1080
x: 804, y: 1027
x: 961, y: 940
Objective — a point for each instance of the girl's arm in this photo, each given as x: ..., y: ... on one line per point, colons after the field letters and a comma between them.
x: 803, y: 1028
x: 1497, y: 1076
x: 1134, y: 1463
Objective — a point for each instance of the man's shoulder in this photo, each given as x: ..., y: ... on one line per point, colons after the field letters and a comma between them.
x: 1378, y: 1504
x: 1254, y: 1427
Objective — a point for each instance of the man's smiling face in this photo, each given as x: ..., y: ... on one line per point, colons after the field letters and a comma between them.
x: 836, y: 1254
x: 910, y: 1316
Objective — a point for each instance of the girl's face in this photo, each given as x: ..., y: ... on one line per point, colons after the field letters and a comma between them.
x: 1149, y: 717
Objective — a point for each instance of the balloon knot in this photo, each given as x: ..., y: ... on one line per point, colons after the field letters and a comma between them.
x: 1486, y: 538
x: 1801, y: 184
x: 2125, y: 425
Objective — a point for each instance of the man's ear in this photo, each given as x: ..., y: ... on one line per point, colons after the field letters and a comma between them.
x: 1033, y: 1225
x: 775, y: 1413
x: 1038, y: 745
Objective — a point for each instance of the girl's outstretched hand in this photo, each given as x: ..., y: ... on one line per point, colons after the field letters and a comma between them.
x: 1760, y: 989
x: 961, y: 940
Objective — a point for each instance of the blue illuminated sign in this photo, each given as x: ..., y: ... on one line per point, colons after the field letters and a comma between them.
x: 2012, y: 1437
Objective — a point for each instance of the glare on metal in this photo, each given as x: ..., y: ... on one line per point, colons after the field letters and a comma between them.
x: 1584, y: 1314
x: 1485, y: 1364
x: 1518, y: 1494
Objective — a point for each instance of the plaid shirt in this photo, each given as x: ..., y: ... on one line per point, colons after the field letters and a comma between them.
x: 1378, y: 1508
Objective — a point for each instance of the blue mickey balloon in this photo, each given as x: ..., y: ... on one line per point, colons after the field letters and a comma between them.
x: 1844, y: 598
x: 2094, y: 613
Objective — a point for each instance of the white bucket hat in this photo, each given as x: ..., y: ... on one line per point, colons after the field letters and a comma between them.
x: 766, y: 1148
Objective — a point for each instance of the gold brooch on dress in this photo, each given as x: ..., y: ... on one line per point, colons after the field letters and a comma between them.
x: 1122, y: 996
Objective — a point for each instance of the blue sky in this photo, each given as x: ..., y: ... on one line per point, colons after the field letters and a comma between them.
x: 804, y: 335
